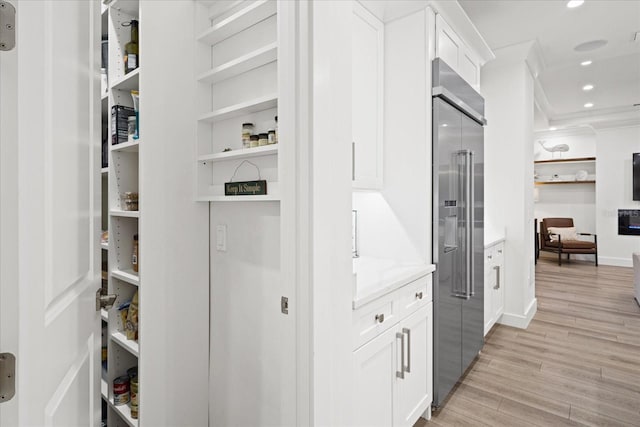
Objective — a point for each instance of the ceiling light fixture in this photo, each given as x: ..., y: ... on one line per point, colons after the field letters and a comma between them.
x: 590, y: 45
x: 588, y: 105
x: 574, y: 3
x: 444, y: 125
x: 553, y: 128
x: 585, y: 63
x: 587, y: 87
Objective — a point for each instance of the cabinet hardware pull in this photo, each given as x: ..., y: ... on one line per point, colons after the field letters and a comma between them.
x: 380, y: 318
x: 400, y: 373
x: 419, y: 295
x: 489, y: 256
x: 499, y: 251
x: 407, y: 331
x: 497, y: 269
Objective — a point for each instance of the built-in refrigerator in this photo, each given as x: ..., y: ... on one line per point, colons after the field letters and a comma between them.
x: 458, y: 227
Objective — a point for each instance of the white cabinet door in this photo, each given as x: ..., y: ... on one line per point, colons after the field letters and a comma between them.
x: 498, y: 287
x: 367, y: 98
x: 489, y: 283
x: 413, y: 392
x: 50, y: 213
x: 375, y: 367
x: 451, y: 48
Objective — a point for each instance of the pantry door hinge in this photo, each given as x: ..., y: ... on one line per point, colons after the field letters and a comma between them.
x: 284, y: 305
x: 7, y: 377
x: 7, y: 26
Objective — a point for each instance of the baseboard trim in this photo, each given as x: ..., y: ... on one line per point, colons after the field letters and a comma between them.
x: 616, y: 262
x: 518, y: 320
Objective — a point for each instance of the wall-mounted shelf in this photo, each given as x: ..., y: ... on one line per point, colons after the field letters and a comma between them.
x: 248, y: 62
x: 245, y: 153
x: 125, y: 413
x: 128, y: 81
x: 255, y: 12
x: 130, y: 7
x: 125, y: 214
x: 128, y: 276
x: 563, y: 182
x: 574, y: 160
x: 241, y: 109
x: 129, y: 147
x: 129, y: 345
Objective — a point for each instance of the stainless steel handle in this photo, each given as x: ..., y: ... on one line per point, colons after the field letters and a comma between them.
x: 470, y: 225
x: 499, y: 251
x: 407, y: 331
x: 419, y: 295
x: 380, y: 318
x: 497, y: 269
x: 353, y: 160
x: 400, y: 373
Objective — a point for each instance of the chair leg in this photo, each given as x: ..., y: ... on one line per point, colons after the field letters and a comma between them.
x: 559, y: 258
x: 596, y: 258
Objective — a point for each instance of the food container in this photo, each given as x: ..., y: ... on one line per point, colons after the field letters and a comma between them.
x: 253, y: 141
x: 247, y: 131
x: 132, y: 372
x: 263, y: 139
x: 272, y: 136
x: 130, y: 201
x: 121, y: 394
x: 131, y: 128
x: 134, y: 397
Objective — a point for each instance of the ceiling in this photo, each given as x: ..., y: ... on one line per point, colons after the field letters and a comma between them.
x: 615, y: 71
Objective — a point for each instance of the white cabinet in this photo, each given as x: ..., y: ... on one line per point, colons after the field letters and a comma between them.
x: 493, y: 285
x: 452, y: 49
x: 367, y: 98
x: 393, y: 370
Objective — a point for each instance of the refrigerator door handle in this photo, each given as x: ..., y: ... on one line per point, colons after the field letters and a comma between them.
x: 468, y: 218
x: 471, y: 223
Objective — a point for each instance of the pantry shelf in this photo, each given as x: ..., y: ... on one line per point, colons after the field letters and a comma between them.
x: 104, y: 171
x: 125, y: 412
x: 128, y: 276
x: 129, y: 147
x: 248, y: 62
x: 129, y: 345
x: 104, y: 246
x: 241, y: 109
x: 252, y: 14
x: 130, y: 7
x: 128, y: 81
x: 125, y: 214
x: 245, y: 153
x: 104, y: 314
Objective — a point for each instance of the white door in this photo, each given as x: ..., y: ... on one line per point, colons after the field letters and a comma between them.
x: 49, y: 213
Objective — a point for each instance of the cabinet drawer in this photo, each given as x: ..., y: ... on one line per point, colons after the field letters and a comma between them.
x: 416, y: 294
x: 498, y: 253
x: 373, y: 319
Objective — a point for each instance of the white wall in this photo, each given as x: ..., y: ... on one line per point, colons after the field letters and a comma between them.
x: 507, y: 86
x: 614, y: 191
x: 396, y: 222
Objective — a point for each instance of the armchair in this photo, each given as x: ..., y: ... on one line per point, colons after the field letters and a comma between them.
x: 564, y: 246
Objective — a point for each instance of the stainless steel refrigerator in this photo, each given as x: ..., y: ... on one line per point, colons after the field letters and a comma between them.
x: 458, y: 227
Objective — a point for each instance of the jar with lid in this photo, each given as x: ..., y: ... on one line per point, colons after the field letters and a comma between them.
x: 134, y: 255
x: 272, y: 136
x: 263, y: 139
x: 276, y: 119
x: 253, y: 141
x: 247, y: 131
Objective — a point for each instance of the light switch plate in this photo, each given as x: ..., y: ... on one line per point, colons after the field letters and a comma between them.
x: 221, y: 238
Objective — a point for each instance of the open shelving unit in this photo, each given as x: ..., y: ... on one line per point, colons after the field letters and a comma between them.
x: 123, y: 174
x: 565, y: 171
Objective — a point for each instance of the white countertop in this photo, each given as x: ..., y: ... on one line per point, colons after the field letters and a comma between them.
x: 492, y: 236
x: 374, y: 277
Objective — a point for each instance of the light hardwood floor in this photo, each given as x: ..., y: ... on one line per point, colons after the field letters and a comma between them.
x: 577, y: 364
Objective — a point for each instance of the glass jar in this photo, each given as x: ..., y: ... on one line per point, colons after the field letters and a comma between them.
x: 263, y: 139
x: 130, y: 201
x: 272, y: 136
x: 247, y: 131
x: 131, y: 128
x: 254, y: 141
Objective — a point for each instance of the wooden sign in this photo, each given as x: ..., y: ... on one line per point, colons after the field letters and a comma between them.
x: 245, y: 188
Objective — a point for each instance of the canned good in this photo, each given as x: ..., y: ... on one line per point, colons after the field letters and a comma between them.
x: 132, y: 373
x: 121, y: 395
x: 134, y: 397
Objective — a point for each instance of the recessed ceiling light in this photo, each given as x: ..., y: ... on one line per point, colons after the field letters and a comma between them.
x: 444, y: 125
x: 553, y: 128
x: 588, y: 105
x: 587, y: 87
x: 574, y: 3
x: 585, y: 63
x: 590, y: 45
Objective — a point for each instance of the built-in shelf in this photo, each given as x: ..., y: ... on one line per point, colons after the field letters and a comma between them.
x: 217, y: 195
x: 104, y: 97
x: 104, y: 314
x: 128, y: 276
x: 563, y: 182
x: 129, y: 81
x: 130, y: 345
x: 237, y: 110
x: 245, y: 153
x: 130, y: 7
x: 104, y: 389
x: 129, y: 146
x: 125, y: 214
x: 248, y: 62
x: 574, y: 160
x: 125, y: 413
x: 104, y: 171
x: 104, y: 246
x: 241, y: 20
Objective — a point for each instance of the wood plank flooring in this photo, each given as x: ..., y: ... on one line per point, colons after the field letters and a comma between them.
x: 577, y: 364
